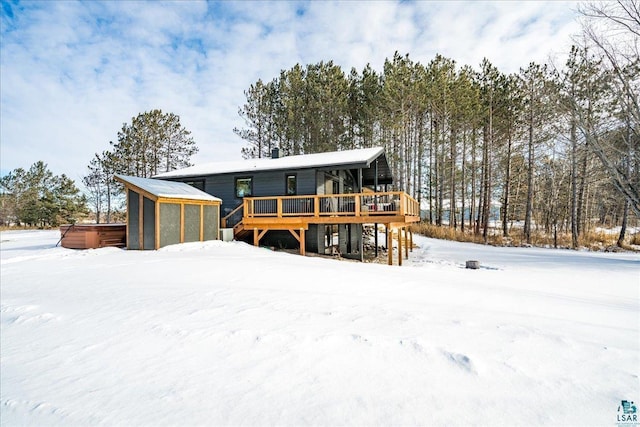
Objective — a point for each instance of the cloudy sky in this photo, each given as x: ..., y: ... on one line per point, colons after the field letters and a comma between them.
x: 73, y: 72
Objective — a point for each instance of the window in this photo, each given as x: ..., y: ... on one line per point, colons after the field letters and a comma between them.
x: 197, y: 184
x: 244, y: 187
x: 291, y: 182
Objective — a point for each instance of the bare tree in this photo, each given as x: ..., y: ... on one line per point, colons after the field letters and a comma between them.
x: 613, y: 29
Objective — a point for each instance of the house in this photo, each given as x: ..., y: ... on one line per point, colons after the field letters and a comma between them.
x: 319, y: 202
x: 161, y: 213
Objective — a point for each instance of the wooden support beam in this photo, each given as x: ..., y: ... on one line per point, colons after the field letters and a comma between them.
x: 303, y: 245
x: 127, y: 221
x: 406, y: 242
x: 389, y: 244
x: 375, y: 237
x: 293, y: 232
x: 202, y: 223
x: 411, y: 239
x: 141, y: 220
x: 181, y: 222
x: 157, y: 224
x: 400, y: 247
x: 256, y: 240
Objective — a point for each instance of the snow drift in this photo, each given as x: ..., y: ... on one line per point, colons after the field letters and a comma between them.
x: 221, y: 333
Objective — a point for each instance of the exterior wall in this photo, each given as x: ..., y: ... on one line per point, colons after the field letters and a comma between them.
x: 267, y: 183
x: 169, y: 224
x: 211, y: 222
x: 149, y: 225
x: 133, y: 239
x: 350, y: 238
x: 191, y: 223
x: 273, y: 183
x: 313, y: 239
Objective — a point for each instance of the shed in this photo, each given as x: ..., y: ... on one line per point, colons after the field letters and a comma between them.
x: 161, y: 213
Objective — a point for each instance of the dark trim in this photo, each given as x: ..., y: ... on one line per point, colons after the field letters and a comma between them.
x: 286, y: 184
x: 196, y: 183
x: 235, y: 186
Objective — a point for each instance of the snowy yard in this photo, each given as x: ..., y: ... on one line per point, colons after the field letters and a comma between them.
x: 227, y: 334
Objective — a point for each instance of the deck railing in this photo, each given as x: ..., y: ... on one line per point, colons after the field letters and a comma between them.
x: 233, y: 218
x: 395, y: 203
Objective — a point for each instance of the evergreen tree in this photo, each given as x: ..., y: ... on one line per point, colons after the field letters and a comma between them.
x: 154, y: 142
x: 38, y: 198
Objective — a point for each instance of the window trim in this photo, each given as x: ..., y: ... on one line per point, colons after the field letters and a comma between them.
x: 286, y: 184
x: 238, y: 178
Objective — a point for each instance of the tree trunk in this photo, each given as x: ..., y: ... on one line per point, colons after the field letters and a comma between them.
x: 463, y: 179
x: 507, y: 181
x: 623, y: 228
x: 574, y: 185
x: 529, y: 208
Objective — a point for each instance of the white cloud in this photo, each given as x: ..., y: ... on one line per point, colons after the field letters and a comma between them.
x: 73, y: 73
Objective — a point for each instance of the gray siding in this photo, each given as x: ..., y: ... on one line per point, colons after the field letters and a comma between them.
x: 149, y: 224
x: 313, y: 238
x: 133, y: 208
x: 350, y: 237
x: 268, y: 183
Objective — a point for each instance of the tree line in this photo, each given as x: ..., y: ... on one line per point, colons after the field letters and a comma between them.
x: 38, y: 198
x: 154, y: 142
x: 548, y: 148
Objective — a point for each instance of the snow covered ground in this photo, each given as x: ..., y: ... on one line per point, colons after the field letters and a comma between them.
x: 227, y: 334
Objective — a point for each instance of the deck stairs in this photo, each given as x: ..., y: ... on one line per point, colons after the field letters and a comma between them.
x: 234, y: 220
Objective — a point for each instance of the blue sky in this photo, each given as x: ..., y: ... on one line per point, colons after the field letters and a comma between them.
x: 73, y: 72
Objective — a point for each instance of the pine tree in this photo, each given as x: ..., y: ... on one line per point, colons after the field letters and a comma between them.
x: 40, y: 198
x: 154, y: 142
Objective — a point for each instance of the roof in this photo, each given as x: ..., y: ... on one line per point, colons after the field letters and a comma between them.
x: 166, y: 189
x: 359, y: 158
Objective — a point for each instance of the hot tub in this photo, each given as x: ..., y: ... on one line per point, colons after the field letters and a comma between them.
x: 91, y: 236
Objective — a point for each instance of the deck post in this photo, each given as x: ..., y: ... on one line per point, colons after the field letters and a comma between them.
x: 389, y: 244
x: 302, y: 242
x: 406, y: 242
x: 256, y: 239
x: 410, y: 239
x: 400, y: 247
x: 375, y: 236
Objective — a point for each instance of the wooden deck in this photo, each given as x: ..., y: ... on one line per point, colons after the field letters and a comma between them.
x: 333, y: 208
x: 396, y: 210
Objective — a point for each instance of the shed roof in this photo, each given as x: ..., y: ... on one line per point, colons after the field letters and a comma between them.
x: 166, y: 189
x: 350, y: 159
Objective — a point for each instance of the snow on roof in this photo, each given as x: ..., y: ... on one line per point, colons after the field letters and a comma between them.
x: 167, y: 189
x: 334, y: 158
